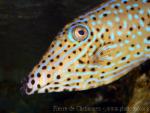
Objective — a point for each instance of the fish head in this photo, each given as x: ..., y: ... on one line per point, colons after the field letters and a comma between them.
x: 93, y: 50
x: 63, y: 66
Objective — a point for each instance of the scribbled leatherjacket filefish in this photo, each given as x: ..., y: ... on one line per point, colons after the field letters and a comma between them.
x: 95, y: 49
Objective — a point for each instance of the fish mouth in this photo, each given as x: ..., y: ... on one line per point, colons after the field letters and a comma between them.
x: 25, y: 89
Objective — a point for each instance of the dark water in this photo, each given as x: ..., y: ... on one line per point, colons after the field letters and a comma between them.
x: 27, y: 27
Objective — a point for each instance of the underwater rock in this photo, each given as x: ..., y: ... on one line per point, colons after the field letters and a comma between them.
x: 140, y: 101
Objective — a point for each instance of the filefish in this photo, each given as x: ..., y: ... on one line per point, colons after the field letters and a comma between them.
x: 95, y: 49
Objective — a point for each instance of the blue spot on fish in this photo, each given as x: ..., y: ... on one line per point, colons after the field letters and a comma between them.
x: 124, y: 1
x: 112, y: 36
x: 136, y: 16
x: 144, y: 1
x: 148, y: 29
x: 141, y: 23
x: 141, y: 11
x: 138, y: 46
x: 48, y: 68
x: 125, y: 24
x: 135, y: 5
x: 109, y: 23
x: 139, y: 33
x: 93, y: 23
x: 120, y: 11
x: 133, y: 36
x: 129, y: 16
x: 127, y: 41
x: 128, y: 7
x: 119, y: 33
x: 117, y: 19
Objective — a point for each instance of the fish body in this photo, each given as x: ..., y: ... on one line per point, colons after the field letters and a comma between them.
x: 95, y: 49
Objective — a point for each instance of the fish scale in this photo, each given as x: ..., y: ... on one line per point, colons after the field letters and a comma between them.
x: 95, y: 49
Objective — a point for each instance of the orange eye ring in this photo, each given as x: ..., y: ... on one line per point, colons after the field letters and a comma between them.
x: 80, y: 33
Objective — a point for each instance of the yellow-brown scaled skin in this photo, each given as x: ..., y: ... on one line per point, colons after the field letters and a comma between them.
x: 95, y: 49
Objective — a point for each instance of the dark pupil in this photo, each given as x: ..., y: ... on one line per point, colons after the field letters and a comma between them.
x: 81, y: 32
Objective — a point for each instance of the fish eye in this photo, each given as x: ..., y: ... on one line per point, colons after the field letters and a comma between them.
x: 80, y: 33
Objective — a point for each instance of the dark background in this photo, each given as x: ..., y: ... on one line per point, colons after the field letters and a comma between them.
x: 27, y: 28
